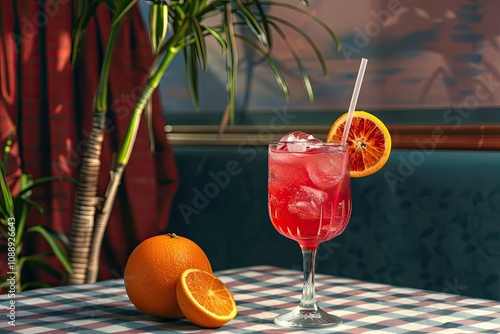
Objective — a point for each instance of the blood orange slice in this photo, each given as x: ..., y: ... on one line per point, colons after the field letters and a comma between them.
x: 369, y: 142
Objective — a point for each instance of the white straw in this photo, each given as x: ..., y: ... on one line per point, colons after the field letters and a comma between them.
x: 354, y: 99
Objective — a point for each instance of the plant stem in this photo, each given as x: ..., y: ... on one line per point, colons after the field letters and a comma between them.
x: 101, y: 222
x: 82, y: 222
x: 101, y: 103
x: 122, y: 159
x: 152, y: 83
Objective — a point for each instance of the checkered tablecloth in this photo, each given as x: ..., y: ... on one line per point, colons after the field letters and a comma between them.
x: 261, y: 294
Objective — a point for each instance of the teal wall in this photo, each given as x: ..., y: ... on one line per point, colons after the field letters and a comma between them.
x: 428, y: 219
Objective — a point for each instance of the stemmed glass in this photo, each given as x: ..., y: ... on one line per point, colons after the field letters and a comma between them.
x: 309, y: 201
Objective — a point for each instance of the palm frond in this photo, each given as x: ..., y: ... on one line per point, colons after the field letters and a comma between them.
x: 251, y: 21
x: 31, y: 202
x: 271, y: 62
x: 7, y: 205
x: 298, y: 61
x: 22, y: 208
x: 231, y: 65
x: 309, y: 40
x: 265, y: 25
x: 191, y: 75
x: 158, y: 24
x: 54, y: 245
x: 86, y: 11
x: 199, y: 46
x: 310, y: 16
x: 44, y: 180
x: 38, y: 261
x: 217, y: 36
x: 121, y: 10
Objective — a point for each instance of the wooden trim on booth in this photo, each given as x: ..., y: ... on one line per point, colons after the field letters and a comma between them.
x: 423, y: 137
x: 465, y: 137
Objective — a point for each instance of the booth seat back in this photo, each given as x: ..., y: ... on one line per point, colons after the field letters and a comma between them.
x: 428, y: 219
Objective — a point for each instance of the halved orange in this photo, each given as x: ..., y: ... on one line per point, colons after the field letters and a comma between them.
x: 369, y: 142
x: 204, y: 299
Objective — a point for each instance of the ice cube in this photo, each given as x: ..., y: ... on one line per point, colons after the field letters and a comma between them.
x: 301, y: 142
x: 328, y: 171
x: 323, y: 177
x: 307, y: 202
x: 298, y: 136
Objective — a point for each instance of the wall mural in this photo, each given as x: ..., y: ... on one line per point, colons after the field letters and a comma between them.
x: 422, y: 54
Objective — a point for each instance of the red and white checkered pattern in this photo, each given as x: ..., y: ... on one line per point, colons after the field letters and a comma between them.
x: 261, y: 294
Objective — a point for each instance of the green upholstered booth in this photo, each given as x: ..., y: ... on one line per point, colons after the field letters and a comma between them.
x: 428, y: 219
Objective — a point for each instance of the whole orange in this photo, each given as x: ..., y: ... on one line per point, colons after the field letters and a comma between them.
x: 153, y: 269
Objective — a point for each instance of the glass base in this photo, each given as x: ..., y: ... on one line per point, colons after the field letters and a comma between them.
x: 300, y: 318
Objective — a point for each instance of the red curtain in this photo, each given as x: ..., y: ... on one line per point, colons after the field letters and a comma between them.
x: 51, y: 104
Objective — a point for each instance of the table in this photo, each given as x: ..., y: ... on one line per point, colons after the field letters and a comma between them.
x: 261, y: 293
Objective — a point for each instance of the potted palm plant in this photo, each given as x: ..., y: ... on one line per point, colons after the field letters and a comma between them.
x: 14, y: 210
x: 176, y: 27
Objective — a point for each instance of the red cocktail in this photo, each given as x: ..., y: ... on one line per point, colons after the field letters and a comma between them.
x: 309, y: 199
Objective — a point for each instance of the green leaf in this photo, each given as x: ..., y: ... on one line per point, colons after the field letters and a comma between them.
x: 25, y: 181
x: 265, y: 24
x: 298, y: 61
x: 309, y: 40
x: 56, y: 248
x: 87, y: 13
x: 158, y: 24
x: 310, y: 16
x: 7, y: 203
x: 3, y: 167
x: 43, y: 180
x: 32, y: 203
x: 194, y: 7
x: 4, y: 233
x: 191, y: 75
x: 21, y: 216
x: 6, y: 150
x: 271, y: 62
x: 121, y: 11
x: 201, y: 48
x: 213, y: 6
x: 81, y: 7
x: 251, y: 22
x: 61, y: 237
x: 232, y: 68
x: 149, y: 125
x: 37, y: 261
x: 217, y: 36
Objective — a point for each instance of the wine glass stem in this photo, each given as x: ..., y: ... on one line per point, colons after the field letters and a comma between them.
x: 308, y: 300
